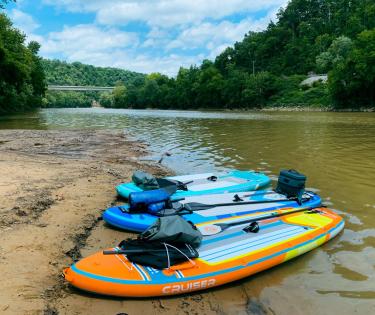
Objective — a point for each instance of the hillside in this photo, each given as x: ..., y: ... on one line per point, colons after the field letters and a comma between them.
x: 62, y: 73
x: 304, y: 30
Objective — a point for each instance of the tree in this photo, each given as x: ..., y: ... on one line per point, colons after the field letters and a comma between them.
x: 22, y: 83
x: 339, y: 50
x: 38, y: 79
x: 120, y: 96
x: 210, y: 83
x: 233, y: 87
x: 352, y: 80
x: 106, y: 100
x: 3, y: 3
x: 258, y: 89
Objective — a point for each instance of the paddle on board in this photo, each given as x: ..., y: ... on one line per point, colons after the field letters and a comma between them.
x: 213, y: 229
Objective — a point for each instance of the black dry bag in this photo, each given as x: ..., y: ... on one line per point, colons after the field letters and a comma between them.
x: 173, y: 230
x: 145, y: 180
x: 169, y: 241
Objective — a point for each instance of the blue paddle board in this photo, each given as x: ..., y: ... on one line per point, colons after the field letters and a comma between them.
x: 202, y: 184
x: 138, y: 222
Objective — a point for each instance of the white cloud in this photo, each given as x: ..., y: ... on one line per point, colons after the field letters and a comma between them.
x: 177, y: 26
x: 127, y: 59
x: 168, y: 64
x: 79, y: 5
x: 163, y: 13
x: 86, y: 39
x: 210, y: 35
x: 157, y: 37
x: 167, y: 13
x: 110, y: 48
x: 24, y: 21
x: 217, y: 50
x: 215, y: 37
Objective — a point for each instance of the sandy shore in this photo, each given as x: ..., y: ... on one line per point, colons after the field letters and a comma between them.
x: 53, y: 188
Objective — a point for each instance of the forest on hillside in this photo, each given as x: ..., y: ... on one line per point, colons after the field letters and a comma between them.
x: 266, y: 68
x: 63, y: 73
x: 22, y: 81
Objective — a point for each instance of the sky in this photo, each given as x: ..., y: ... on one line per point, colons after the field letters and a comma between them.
x: 145, y: 35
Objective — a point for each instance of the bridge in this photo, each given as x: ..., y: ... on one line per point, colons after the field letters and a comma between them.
x: 80, y: 88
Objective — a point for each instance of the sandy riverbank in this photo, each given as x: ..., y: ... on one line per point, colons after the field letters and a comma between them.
x: 53, y: 188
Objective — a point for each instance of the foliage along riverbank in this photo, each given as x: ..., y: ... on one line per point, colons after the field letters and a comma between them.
x: 22, y: 80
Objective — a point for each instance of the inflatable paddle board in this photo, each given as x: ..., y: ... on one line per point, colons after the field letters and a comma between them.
x: 225, y: 257
x: 209, y: 183
x: 138, y: 222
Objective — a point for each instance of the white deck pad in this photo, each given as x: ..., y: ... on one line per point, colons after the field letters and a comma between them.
x: 229, y: 248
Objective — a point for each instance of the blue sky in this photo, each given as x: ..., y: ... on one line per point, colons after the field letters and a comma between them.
x: 145, y: 35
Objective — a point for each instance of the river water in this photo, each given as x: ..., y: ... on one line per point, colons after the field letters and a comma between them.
x: 335, y: 150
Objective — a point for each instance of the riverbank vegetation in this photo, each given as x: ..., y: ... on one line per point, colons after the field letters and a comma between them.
x: 68, y: 99
x: 266, y: 68
x: 22, y: 80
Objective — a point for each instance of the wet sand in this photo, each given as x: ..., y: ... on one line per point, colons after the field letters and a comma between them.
x: 53, y: 188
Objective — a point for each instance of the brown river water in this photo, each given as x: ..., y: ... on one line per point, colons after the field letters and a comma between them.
x: 335, y: 150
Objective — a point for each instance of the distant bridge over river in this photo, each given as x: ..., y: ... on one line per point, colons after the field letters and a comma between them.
x: 80, y: 88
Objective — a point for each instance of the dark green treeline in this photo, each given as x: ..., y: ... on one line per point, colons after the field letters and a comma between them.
x: 265, y: 69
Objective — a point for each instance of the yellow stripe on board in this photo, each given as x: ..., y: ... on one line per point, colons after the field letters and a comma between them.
x: 311, y: 219
x: 305, y: 248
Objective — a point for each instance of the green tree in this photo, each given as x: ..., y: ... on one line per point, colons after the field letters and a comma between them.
x: 352, y: 80
x: 22, y: 83
x: 258, y: 89
x: 3, y: 3
x: 233, y: 87
x: 339, y: 50
x: 210, y: 83
x: 120, y: 96
x: 186, y: 87
x: 106, y: 100
x: 37, y: 76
